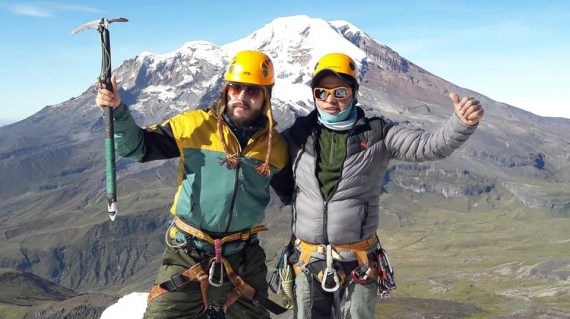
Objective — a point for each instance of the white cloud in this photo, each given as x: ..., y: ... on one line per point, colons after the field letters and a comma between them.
x: 31, y: 11
x: 47, y: 10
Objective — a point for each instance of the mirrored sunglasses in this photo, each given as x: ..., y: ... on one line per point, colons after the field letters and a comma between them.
x: 338, y: 93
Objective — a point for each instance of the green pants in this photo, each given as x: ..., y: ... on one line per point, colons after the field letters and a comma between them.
x: 187, y: 303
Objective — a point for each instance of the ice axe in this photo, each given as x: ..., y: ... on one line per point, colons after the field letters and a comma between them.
x: 102, y: 25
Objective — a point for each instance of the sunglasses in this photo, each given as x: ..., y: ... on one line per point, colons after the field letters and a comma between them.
x: 251, y: 91
x: 337, y: 93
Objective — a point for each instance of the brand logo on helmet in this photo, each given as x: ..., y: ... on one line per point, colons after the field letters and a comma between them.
x: 231, y: 67
x: 265, y: 68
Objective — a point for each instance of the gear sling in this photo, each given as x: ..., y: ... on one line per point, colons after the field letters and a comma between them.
x: 204, y: 272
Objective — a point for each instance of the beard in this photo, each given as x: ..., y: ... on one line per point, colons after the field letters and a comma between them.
x: 242, y: 114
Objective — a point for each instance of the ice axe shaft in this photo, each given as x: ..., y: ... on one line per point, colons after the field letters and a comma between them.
x: 105, y: 77
x: 110, y: 169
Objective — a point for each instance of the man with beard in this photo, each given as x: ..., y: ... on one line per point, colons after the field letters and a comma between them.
x: 229, y: 155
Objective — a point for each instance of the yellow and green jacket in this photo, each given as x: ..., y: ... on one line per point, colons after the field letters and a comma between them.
x: 210, y: 196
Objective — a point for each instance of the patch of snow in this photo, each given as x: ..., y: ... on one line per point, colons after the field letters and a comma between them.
x: 164, y: 92
x: 131, y: 306
x: 192, y: 52
x: 145, y: 54
x: 292, y: 92
x: 187, y: 78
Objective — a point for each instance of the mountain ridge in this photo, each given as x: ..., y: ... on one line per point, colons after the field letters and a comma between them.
x: 52, y: 164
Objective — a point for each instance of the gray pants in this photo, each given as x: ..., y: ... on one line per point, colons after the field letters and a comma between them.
x: 356, y: 301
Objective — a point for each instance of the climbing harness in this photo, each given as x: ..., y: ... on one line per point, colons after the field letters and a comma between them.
x: 327, y: 264
x: 204, y: 273
x: 333, y: 275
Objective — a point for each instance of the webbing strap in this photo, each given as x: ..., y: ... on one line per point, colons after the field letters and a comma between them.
x: 155, y: 292
x: 243, y: 289
x: 195, y: 272
x: 243, y: 236
x: 360, y: 249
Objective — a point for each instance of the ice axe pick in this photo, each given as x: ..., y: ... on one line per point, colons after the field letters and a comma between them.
x: 102, y: 25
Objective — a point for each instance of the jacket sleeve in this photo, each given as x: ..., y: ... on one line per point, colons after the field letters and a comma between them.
x: 143, y: 145
x: 416, y: 145
x: 283, y: 182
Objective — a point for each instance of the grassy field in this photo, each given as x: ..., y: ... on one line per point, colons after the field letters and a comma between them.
x: 475, y: 254
x: 12, y: 312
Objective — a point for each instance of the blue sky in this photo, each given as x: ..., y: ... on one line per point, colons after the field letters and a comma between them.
x: 516, y: 52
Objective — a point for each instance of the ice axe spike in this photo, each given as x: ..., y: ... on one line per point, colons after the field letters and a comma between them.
x: 102, y: 25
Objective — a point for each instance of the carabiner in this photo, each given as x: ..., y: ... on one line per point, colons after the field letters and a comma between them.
x: 383, y: 294
x: 387, y: 260
x: 360, y: 275
x: 385, y: 270
x: 211, y: 274
x: 275, y: 282
x: 329, y: 270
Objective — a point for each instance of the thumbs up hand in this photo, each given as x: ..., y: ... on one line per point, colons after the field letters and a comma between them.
x: 468, y: 110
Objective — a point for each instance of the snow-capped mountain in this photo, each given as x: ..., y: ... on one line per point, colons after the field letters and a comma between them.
x: 51, y: 164
x: 193, y: 74
x: 295, y: 44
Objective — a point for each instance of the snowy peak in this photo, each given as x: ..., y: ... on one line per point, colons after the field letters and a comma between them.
x: 178, y: 80
x: 192, y: 74
x: 193, y: 49
x: 295, y: 44
x: 186, y: 61
x: 344, y: 26
x: 298, y: 40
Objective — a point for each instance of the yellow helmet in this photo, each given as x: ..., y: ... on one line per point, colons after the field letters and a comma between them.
x: 338, y: 63
x: 252, y: 67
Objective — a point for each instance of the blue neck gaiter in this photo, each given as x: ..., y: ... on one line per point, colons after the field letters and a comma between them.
x: 341, y: 121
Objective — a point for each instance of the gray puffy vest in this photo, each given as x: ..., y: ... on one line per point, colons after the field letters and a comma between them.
x: 351, y: 214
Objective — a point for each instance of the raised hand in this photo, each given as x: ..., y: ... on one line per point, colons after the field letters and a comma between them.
x: 469, y: 110
x: 106, y: 97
